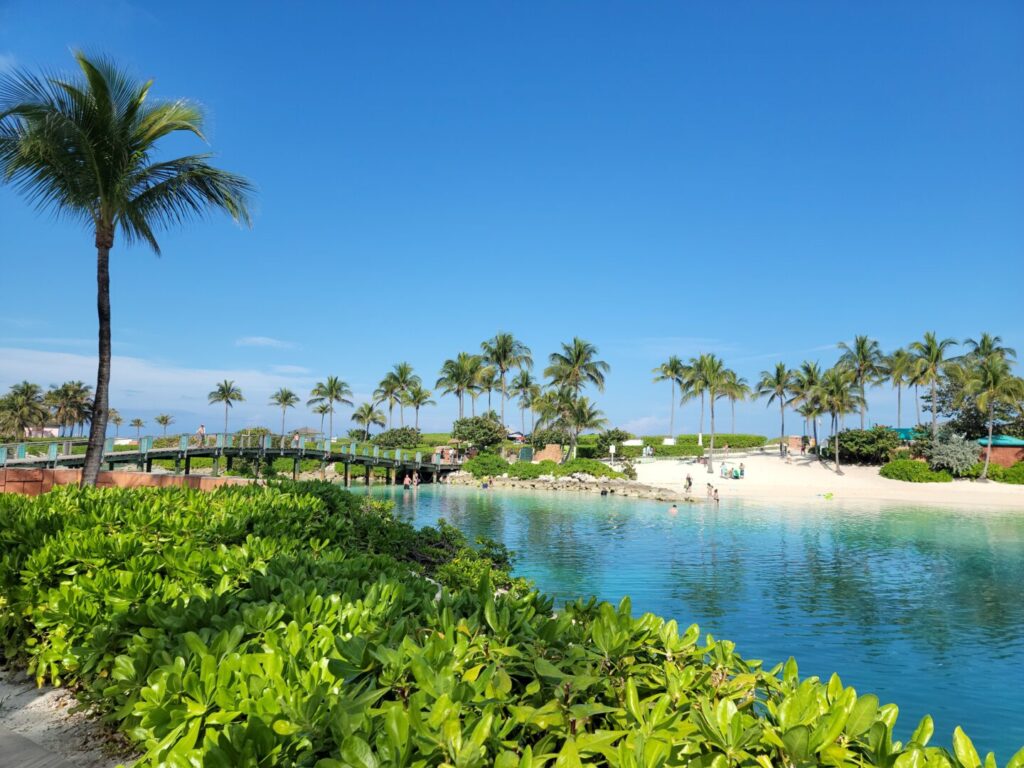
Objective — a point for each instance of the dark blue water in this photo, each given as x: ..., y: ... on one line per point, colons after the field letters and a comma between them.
x: 922, y: 606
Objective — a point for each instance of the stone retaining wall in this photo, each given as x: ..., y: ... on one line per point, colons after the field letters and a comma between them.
x: 32, y: 482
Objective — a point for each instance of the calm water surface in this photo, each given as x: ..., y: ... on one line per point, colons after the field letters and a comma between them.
x: 923, y: 606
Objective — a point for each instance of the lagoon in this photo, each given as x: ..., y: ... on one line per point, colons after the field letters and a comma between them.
x: 922, y: 606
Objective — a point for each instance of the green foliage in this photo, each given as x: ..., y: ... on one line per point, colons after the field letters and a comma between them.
x: 996, y: 472
x: 284, y: 626
x: 951, y: 452
x: 553, y: 436
x: 486, y: 465
x: 611, y: 437
x: 401, y: 437
x: 524, y: 470
x: 587, y: 466
x: 586, y: 451
x: 1014, y: 474
x: 663, y: 451
x: 913, y: 472
x: 479, y: 431
x: 864, y: 446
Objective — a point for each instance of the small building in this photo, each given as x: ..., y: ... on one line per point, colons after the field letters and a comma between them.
x: 1006, y: 450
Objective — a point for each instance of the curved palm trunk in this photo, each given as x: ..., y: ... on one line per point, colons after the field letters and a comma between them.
x: 711, y: 456
x: 732, y: 426
x: 282, y: 422
x: 988, y: 449
x: 401, y: 414
x: 864, y: 410
x: 522, y: 418
x: 330, y: 427
x: 700, y: 434
x: 417, y: 417
x: 503, y: 398
x: 227, y: 404
x: 672, y: 412
x: 899, y: 406
x: 98, y: 426
x: 933, y: 410
x: 782, y: 428
x: 838, y: 472
x: 917, y: 405
x: 817, y: 445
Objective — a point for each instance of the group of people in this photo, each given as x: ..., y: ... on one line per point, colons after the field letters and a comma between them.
x: 736, y: 473
x: 688, y: 486
x: 411, y: 480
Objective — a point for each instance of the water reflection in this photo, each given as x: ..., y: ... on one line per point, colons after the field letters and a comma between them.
x: 922, y: 606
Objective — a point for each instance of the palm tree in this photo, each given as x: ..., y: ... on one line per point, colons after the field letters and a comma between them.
x: 367, y: 415
x: 522, y: 386
x: 458, y: 376
x: 138, y: 424
x: 992, y: 383
x: 989, y: 345
x: 930, y: 360
x: 776, y: 385
x: 417, y: 397
x: 330, y: 391
x: 710, y: 376
x: 284, y: 399
x: 322, y: 410
x: 388, y: 391
x: 576, y: 366
x: 673, y: 371
x: 736, y: 388
x: 505, y: 352
x: 84, y: 148
x: 898, y: 367
x: 402, y: 379
x: 864, y: 357
x: 116, y: 419
x: 580, y: 415
x: 487, y: 381
x: 693, y: 385
x: 840, y: 394
x: 24, y: 408
x: 226, y: 392
x: 164, y: 420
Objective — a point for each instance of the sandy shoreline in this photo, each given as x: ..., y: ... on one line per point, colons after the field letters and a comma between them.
x: 769, y: 478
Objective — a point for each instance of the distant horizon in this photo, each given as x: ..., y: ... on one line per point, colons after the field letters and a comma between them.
x: 668, y: 180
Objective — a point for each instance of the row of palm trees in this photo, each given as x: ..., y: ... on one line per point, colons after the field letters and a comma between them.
x: 983, y: 371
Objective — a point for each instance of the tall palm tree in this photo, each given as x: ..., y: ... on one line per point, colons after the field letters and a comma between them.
x: 487, y: 381
x: 330, y: 391
x: 367, y: 416
x: 840, y: 394
x: 736, y: 389
x: 164, y: 420
x: 417, y: 397
x: 693, y: 385
x: 930, y: 361
x: 284, y: 399
x: 991, y: 381
x: 531, y: 398
x: 863, y: 357
x: 84, y: 147
x: 402, y: 379
x: 388, y: 391
x: 673, y: 371
x: 138, y: 424
x: 776, y: 385
x: 576, y: 366
x: 226, y: 392
x: 117, y: 420
x: 458, y: 376
x: 581, y: 415
x: 505, y: 352
x: 521, y: 387
x: 711, y: 377
x: 988, y: 345
x: 321, y: 410
x: 898, y: 367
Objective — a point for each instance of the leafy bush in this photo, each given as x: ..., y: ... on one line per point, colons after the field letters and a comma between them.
x: 996, y: 472
x: 486, y: 465
x: 864, y: 446
x: 401, y: 437
x: 952, y: 452
x: 1014, y: 474
x: 722, y: 439
x: 666, y: 451
x: 912, y: 471
x: 479, y: 431
x: 588, y: 466
x: 543, y: 437
x: 586, y: 452
x: 284, y: 627
x: 609, y: 438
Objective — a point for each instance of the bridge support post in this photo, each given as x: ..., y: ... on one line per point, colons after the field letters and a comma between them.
x: 228, y: 461
x: 389, y: 476
x: 216, y: 465
x: 369, y: 475
x: 348, y: 475
x: 295, y: 468
x: 188, y: 465
x: 110, y: 466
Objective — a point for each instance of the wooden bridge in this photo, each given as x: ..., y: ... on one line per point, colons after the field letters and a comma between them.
x: 228, y: 448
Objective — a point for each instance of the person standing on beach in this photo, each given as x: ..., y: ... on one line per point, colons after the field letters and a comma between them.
x: 716, y: 495
x: 201, y: 434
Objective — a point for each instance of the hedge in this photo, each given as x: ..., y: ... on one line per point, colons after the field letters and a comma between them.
x: 292, y: 627
x: 913, y: 472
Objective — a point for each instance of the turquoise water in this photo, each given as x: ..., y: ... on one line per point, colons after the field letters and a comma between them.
x: 923, y: 606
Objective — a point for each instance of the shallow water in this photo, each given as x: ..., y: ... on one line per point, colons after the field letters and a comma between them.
x: 923, y: 606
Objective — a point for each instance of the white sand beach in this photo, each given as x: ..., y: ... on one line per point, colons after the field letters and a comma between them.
x: 768, y: 477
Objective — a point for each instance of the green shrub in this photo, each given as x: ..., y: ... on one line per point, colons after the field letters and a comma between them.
x: 479, y: 431
x: 291, y: 626
x: 912, y: 472
x: 864, y: 446
x: 663, y: 451
x: 401, y: 437
x: 588, y: 466
x: 543, y: 437
x: 609, y: 438
x: 1014, y: 474
x: 486, y: 465
x: 722, y: 439
x: 524, y: 470
x: 995, y: 471
x: 586, y: 452
x: 951, y: 452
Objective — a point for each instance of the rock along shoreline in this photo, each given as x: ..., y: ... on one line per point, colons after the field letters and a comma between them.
x: 577, y: 483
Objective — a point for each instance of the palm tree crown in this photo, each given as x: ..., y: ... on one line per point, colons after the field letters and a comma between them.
x: 284, y: 399
x: 505, y: 352
x: 930, y: 361
x: 328, y: 392
x: 863, y: 357
x: 673, y: 371
x: 776, y: 385
x: 226, y: 392
x: 367, y: 416
x: 83, y: 147
x: 576, y: 366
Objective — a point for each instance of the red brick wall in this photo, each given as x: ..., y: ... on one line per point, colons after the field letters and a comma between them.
x: 1004, y: 455
x: 32, y: 482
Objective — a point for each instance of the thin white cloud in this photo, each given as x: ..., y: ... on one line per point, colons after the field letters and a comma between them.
x: 290, y: 369
x: 7, y: 61
x: 262, y: 341
x: 50, y: 341
x: 645, y: 425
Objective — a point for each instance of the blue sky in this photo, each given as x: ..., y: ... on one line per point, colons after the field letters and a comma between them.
x: 759, y: 180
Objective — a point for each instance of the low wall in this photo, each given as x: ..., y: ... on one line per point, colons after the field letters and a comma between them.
x: 1004, y: 455
x: 32, y: 482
